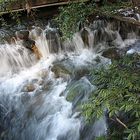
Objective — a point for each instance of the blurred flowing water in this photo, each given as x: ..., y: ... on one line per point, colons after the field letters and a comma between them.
x: 35, y: 100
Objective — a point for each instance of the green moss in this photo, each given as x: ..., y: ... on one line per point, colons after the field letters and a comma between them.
x: 74, y: 92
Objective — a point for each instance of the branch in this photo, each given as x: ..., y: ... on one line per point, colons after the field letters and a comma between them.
x: 120, y: 122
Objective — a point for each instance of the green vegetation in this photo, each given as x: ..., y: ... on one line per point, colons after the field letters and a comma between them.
x: 6, y: 6
x: 119, y: 94
x: 74, y: 15
x: 118, y: 86
x: 71, y: 17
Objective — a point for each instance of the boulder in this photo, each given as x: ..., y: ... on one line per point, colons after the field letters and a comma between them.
x: 28, y: 44
x: 28, y: 88
x: 79, y: 91
x: 111, y: 53
x: 62, y: 66
x: 66, y: 68
x: 60, y: 70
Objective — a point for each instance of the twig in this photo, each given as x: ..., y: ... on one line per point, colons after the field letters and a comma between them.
x: 119, y: 121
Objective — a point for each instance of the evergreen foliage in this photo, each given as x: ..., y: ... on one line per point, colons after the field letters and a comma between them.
x: 118, y: 94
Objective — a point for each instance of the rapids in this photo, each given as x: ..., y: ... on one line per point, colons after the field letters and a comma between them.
x: 34, y: 102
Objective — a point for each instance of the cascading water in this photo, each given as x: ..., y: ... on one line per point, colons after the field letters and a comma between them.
x: 36, y: 97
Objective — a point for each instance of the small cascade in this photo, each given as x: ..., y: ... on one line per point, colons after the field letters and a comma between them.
x: 14, y: 58
x: 41, y: 99
x: 53, y: 39
x: 39, y: 36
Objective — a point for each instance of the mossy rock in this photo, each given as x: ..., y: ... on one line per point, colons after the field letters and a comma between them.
x: 64, y: 66
x: 79, y: 91
x: 59, y: 70
x: 112, y: 53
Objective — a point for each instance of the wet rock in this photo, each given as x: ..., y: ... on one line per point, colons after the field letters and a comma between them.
x: 86, y: 132
x: 111, y: 53
x: 28, y: 88
x: 67, y: 68
x: 98, y: 36
x: 125, y: 29
x: 79, y: 91
x: 93, y: 130
x: 53, y: 38
x: 36, y: 32
x: 40, y: 82
x: 62, y: 67
x: 80, y: 72
x: 43, y: 73
x: 29, y: 44
x: 110, y: 37
x: 26, y: 42
x: 84, y: 36
x: 101, y: 35
x: 47, y: 85
x: 98, y: 24
x: 61, y: 72
x: 22, y: 34
x: 25, y: 98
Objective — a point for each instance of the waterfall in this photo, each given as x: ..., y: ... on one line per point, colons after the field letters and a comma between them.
x: 14, y: 58
x: 39, y: 98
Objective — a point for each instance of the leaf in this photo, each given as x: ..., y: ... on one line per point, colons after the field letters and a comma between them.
x: 129, y: 136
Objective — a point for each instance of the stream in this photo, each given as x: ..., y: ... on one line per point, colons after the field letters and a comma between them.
x: 41, y: 99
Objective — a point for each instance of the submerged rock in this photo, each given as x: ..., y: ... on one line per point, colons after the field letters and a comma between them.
x: 79, y: 91
x: 62, y: 67
x: 93, y: 130
x: 29, y: 88
x: 53, y: 38
x: 68, y: 68
x: 36, y: 32
x: 102, y: 35
x: 84, y: 36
